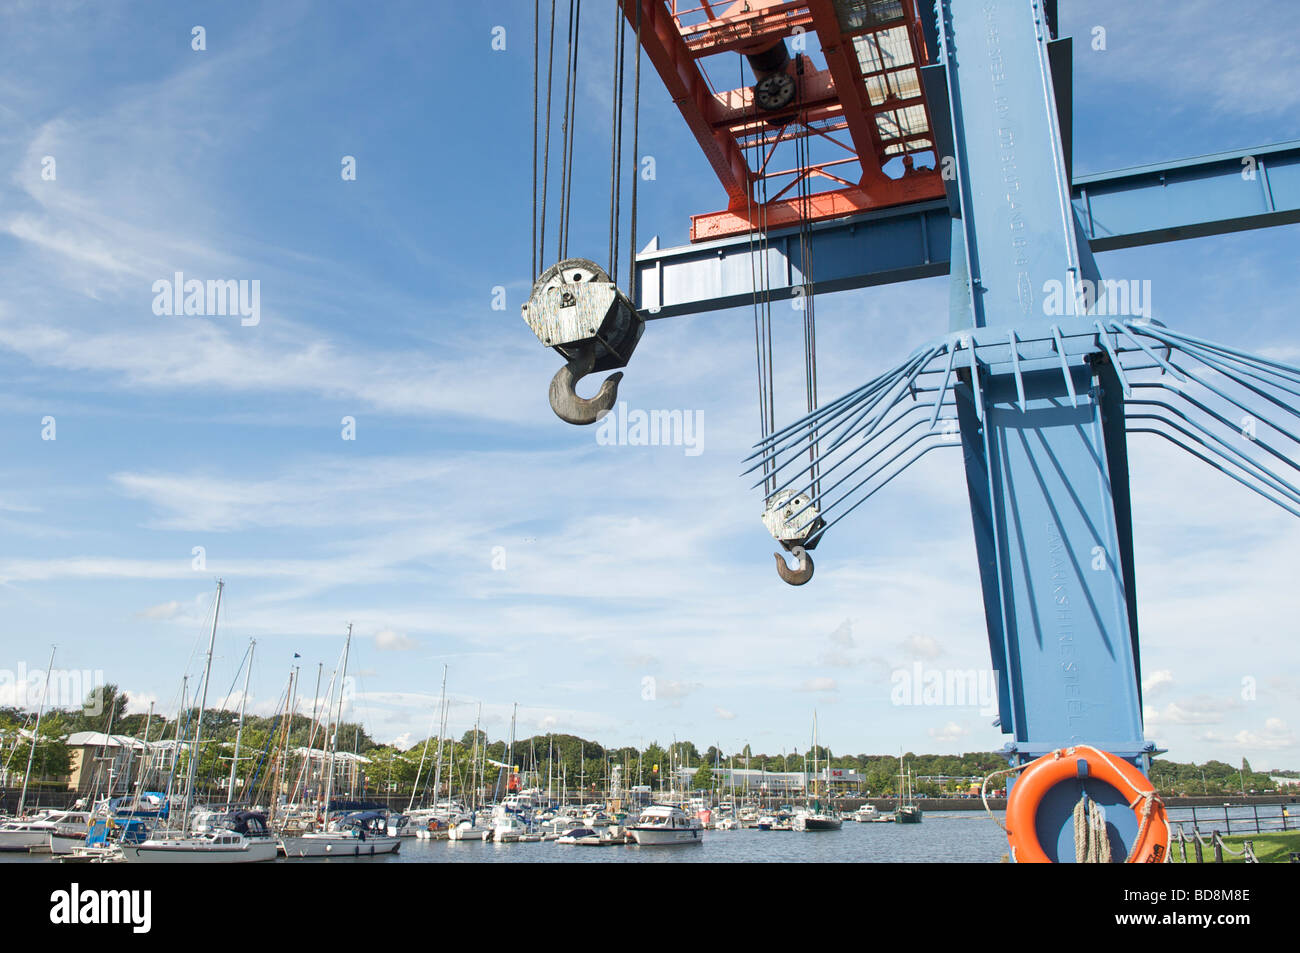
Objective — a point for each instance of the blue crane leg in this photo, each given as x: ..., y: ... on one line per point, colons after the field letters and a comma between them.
x: 1045, y: 455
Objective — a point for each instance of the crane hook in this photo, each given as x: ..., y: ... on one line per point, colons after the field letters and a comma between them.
x: 795, y: 577
x: 566, y: 403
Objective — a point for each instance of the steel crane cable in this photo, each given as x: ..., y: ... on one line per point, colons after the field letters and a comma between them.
x: 616, y: 142
x: 758, y: 268
x: 568, y: 123
x: 532, y: 261
x: 573, y: 121
x: 803, y: 152
x: 539, y: 239
x: 636, y: 161
x: 566, y: 128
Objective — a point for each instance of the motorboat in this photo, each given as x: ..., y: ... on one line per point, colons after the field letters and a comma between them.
x: 809, y: 821
x: 22, y: 834
x: 561, y: 824
x: 428, y: 820
x: 866, y: 814
x: 782, y: 820
x: 33, y: 834
x: 469, y: 829
x: 590, y: 837
x: 507, y: 827
x: 103, y: 841
x: 435, y: 828
x: 662, y: 825
x: 240, y: 837
x: 359, y: 834
x: 68, y: 831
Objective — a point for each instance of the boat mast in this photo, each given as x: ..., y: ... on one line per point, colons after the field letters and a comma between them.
x: 473, y: 770
x: 510, y: 757
x: 284, y: 732
x: 451, y: 777
x: 437, y: 758
x: 198, y: 728
x: 311, y: 736
x: 338, y: 723
x: 304, y: 775
x: 36, y: 733
x: 295, y: 687
x: 451, y: 751
x: 146, y: 760
x: 176, y: 741
x: 239, y: 732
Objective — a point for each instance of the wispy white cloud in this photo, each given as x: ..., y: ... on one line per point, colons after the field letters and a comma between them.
x: 387, y: 640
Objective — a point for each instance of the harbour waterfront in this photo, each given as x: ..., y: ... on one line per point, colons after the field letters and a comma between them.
x: 960, y: 837
x: 956, y: 837
x: 339, y: 585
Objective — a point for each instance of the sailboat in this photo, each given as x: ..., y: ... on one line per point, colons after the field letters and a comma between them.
x: 429, y: 822
x: 239, y: 837
x: 907, y: 811
x: 470, y: 829
x: 232, y: 838
x: 25, y: 833
x: 814, y: 817
x: 360, y: 834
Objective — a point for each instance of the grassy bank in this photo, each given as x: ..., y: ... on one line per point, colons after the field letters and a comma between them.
x: 1271, y: 848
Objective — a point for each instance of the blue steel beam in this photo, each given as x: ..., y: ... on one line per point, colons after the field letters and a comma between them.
x: 1190, y: 198
x: 1045, y: 458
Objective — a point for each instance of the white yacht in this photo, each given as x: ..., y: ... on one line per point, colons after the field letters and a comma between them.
x: 363, y: 834
x: 508, y: 827
x: 590, y: 837
x: 33, y: 833
x: 866, y: 814
x: 812, y: 820
x: 469, y: 829
x: 68, y: 831
x: 22, y: 834
x: 238, y: 838
x: 560, y: 824
x: 663, y: 825
x: 419, y: 820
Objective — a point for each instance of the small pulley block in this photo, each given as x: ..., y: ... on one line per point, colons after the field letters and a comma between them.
x: 576, y: 309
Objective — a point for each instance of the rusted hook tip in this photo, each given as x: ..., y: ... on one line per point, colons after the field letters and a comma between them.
x: 799, y: 576
x: 571, y: 408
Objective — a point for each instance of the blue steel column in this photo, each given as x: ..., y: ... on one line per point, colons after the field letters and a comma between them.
x: 1046, y: 471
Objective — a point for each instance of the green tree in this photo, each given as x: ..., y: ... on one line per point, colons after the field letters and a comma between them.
x: 703, y: 779
x: 104, y: 706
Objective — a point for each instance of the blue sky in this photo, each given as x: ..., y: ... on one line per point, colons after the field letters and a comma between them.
x: 622, y: 563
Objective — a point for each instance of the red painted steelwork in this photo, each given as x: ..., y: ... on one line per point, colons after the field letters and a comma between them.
x: 870, y: 88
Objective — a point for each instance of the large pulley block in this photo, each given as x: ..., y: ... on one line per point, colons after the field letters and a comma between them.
x: 796, y: 524
x: 576, y: 309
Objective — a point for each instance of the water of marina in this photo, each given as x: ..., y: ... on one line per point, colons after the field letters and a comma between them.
x: 959, y: 836
x: 963, y: 836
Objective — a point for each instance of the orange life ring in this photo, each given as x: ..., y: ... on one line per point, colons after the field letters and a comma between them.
x: 1041, y: 775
